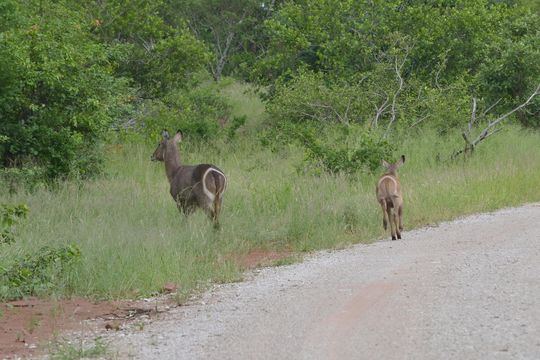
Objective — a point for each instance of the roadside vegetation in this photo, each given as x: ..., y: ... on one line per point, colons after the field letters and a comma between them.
x: 298, y: 112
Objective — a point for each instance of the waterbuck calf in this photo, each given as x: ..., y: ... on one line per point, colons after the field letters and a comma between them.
x: 390, y: 198
x: 192, y: 186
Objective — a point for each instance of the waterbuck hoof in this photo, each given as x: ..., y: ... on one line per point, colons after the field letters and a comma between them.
x: 393, y: 237
x: 399, y: 236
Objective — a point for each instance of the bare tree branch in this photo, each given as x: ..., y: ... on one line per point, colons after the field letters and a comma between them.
x: 379, y: 111
x: 473, y: 114
x: 398, y: 69
x: 491, y: 128
x: 484, y: 113
x: 419, y: 121
x: 535, y: 93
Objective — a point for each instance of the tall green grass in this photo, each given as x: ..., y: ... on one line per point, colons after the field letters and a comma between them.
x: 133, y: 240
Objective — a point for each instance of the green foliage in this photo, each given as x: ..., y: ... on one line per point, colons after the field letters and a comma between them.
x: 456, y: 32
x: 197, y: 112
x: 10, y: 215
x: 236, y: 123
x: 38, y: 273
x: 57, y: 91
x: 512, y: 68
x: 230, y: 28
x: 334, y: 37
x: 327, y: 58
x: 441, y: 108
x: 31, y: 274
x: 335, y: 149
x: 158, y: 53
x: 352, y: 151
x: 308, y: 97
x: 28, y: 177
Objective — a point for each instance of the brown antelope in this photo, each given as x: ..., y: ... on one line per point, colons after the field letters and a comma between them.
x: 389, y: 196
x: 192, y: 186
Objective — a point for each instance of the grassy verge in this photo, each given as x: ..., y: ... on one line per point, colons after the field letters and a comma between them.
x: 133, y: 240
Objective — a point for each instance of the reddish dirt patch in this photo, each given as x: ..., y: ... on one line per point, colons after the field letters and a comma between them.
x: 260, y: 257
x: 27, y: 325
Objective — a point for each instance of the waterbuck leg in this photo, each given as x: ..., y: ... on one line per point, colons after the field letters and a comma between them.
x: 208, y: 208
x: 396, y: 223
x: 217, y: 208
x: 385, y: 215
x: 213, y: 216
x: 400, y: 219
x: 389, y: 216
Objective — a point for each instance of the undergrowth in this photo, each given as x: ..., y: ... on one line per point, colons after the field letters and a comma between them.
x: 132, y: 240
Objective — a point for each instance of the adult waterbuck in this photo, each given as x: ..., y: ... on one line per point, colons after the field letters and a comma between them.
x: 390, y: 197
x: 192, y: 186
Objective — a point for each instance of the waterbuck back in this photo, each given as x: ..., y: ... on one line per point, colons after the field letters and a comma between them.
x: 390, y: 198
x: 191, y: 186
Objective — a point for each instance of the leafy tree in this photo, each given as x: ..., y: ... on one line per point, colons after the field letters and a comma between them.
x: 512, y: 67
x: 159, y: 56
x: 57, y: 90
x: 229, y: 27
x: 339, y: 38
x: 401, y: 52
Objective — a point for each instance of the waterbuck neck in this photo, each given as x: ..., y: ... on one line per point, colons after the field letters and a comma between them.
x: 391, y: 173
x: 172, y: 160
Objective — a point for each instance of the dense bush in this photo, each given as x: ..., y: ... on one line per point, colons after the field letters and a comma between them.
x: 512, y: 69
x: 30, y: 274
x: 352, y: 152
x: 331, y: 148
x: 57, y: 91
x: 309, y: 97
x: 10, y: 215
x: 151, y: 46
x: 444, y: 53
x: 198, y: 112
x: 37, y: 274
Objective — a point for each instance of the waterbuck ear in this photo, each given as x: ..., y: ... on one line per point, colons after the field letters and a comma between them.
x: 385, y: 164
x: 178, y: 137
x: 401, y: 161
x: 165, y: 134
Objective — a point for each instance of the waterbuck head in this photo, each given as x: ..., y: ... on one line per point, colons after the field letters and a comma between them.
x: 392, y: 168
x: 167, y: 146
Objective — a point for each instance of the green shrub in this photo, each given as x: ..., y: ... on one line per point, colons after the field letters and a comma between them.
x: 347, y: 149
x: 36, y: 274
x: 57, y: 90
x: 10, y: 215
x: 152, y: 46
x: 236, y: 123
x: 351, y: 152
x: 31, y: 274
x: 310, y: 97
x: 197, y: 112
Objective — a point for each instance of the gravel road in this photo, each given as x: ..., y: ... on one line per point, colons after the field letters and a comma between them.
x: 468, y: 289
